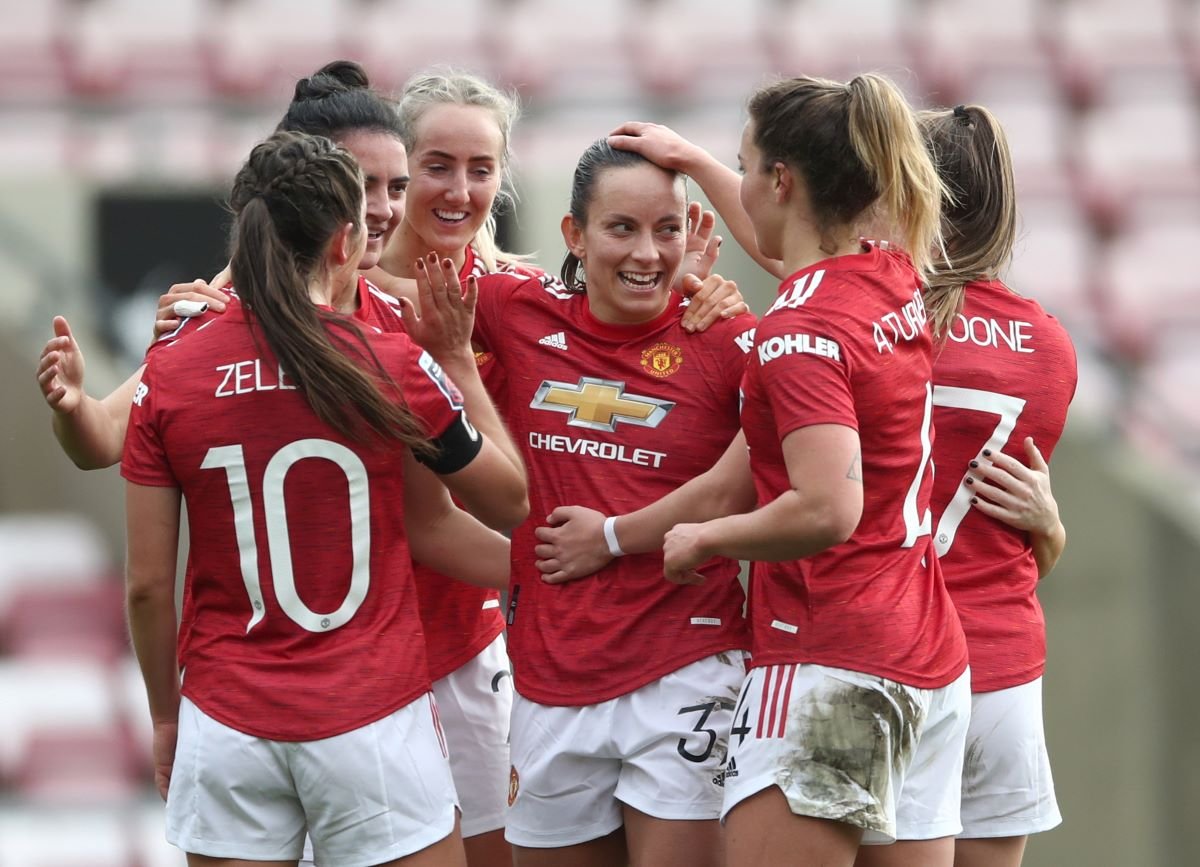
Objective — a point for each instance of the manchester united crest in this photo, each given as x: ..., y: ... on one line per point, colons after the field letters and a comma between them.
x: 662, y: 359
x: 514, y: 784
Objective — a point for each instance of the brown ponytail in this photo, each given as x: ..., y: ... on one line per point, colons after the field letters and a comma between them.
x: 294, y: 192
x: 856, y: 146
x: 979, y: 213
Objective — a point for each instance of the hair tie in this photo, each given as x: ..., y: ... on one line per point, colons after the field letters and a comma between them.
x: 960, y: 112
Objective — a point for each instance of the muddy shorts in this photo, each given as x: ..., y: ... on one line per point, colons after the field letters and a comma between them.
x: 658, y: 749
x: 852, y: 747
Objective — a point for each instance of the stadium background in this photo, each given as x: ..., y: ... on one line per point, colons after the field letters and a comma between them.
x: 122, y: 121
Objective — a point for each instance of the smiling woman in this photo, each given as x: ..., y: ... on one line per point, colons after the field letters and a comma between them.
x: 624, y: 681
x: 626, y: 229
x: 457, y: 130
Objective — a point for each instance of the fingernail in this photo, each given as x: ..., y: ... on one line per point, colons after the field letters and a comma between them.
x: 974, y: 500
x: 987, y: 453
x: 973, y: 464
x: 970, y: 481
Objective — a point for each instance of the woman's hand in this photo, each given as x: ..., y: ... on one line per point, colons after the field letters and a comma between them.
x: 197, y: 292
x: 711, y: 300
x: 447, y: 318
x: 572, y: 545
x: 60, y: 369
x: 657, y: 143
x: 701, y: 248
x: 1013, y: 493
x: 165, y: 736
x: 682, y: 553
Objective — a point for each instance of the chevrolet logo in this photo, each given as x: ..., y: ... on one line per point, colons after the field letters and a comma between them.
x: 600, y: 404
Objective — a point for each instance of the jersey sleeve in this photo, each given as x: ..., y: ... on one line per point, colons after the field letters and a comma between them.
x: 805, y: 367
x: 738, y: 349
x: 437, y: 402
x: 495, y: 290
x: 144, y: 460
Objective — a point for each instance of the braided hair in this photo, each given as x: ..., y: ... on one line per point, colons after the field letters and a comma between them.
x: 290, y: 198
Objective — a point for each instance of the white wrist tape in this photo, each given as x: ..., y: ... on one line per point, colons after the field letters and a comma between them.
x: 188, y: 309
x: 610, y: 536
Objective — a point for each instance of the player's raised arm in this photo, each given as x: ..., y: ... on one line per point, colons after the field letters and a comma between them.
x: 665, y: 147
x: 444, y: 329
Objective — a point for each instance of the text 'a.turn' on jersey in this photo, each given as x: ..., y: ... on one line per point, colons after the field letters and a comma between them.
x: 300, y: 616
x: 1006, y: 370
x: 846, y: 343
x: 611, y: 417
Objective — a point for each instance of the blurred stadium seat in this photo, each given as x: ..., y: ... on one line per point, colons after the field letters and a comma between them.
x: 821, y: 37
x: 1131, y: 149
x: 1093, y: 39
x: 49, y: 550
x: 137, y: 47
x: 1148, y: 284
x: 1053, y: 258
x: 68, y: 837
x: 31, y: 43
x: 64, y: 622
x: 959, y: 42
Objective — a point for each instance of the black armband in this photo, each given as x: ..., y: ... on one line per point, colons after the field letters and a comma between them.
x: 458, y: 445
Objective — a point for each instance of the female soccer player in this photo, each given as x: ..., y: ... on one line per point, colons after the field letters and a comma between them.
x: 850, y: 726
x: 463, y: 626
x: 1004, y: 373
x: 293, y: 433
x: 1004, y: 376
x: 625, y: 683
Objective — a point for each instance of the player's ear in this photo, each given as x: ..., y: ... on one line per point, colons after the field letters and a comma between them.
x: 572, y: 234
x: 343, y: 245
x: 782, y: 181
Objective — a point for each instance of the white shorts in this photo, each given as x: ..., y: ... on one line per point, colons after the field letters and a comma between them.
x: 368, y: 796
x: 475, y: 702
x: 1007, y: 788
x: 852, y: 747
x: 658, y: 749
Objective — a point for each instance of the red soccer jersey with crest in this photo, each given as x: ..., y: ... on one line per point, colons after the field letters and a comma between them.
x: 1005, y: 372
x: 299, y: 613
x: 612, y: 418
x: 460, y: 619
x: 846, y: 343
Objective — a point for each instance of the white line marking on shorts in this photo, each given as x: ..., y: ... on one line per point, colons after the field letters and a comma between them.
x: 706, y: 621
x: 786, y: 627
x: 490, y: 603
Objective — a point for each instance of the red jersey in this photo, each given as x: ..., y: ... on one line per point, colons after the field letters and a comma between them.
x: 610, y: 417
x: 299, y: 612
x: 1007, y: 371
x: 846, y: 343
x: 460, y: 619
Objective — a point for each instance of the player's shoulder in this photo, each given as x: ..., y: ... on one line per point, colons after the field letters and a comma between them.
x: 386, y: 312
x: 998, y: 297
x: 737, y: 331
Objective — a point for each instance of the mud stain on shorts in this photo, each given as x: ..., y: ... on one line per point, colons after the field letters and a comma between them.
x: 848, y: 741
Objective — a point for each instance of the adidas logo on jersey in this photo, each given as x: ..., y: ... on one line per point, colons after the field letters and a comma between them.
x: 558, y: 340
x: 728, y: 773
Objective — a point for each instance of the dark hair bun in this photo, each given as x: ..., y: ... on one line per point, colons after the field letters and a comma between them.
x: 336, y: 77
